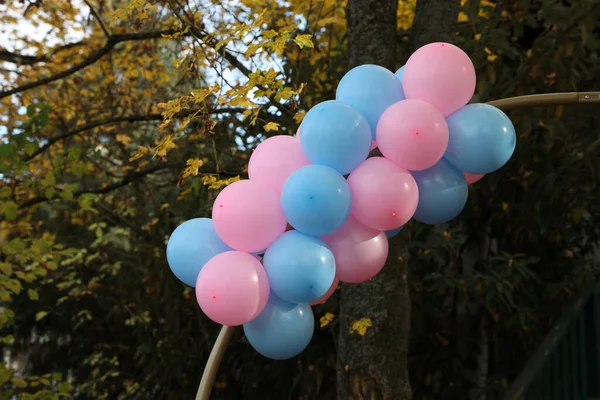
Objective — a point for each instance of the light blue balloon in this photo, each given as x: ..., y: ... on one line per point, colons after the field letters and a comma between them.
x: 370, y: 89
x: 336, y: 135
x: 391, y: 233
x: 301, y: 268
x: 282, y: 330
x: 482, y: 139
x: 400, y: 73
x: 190, y: 246
x: 316, y: 200
x: 442, y: 193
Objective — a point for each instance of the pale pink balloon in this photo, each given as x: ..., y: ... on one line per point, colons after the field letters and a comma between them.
x: 412, y: 134
x: 373, y: 145
x: 359, y: 252
x: 275, y: 159
x: 440, y: 74
x: 327, y: 295
x: 232, y: 288
x: 384, y: 196
x: 472, y: 178
x: 247, y: 216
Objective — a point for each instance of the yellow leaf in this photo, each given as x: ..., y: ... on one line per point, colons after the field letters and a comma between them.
x: 193, y: 165
x: 505, y: 206
x: 304, y: 41
x: 299, y: 116
x: 361, y: 326
x: 123, y: 139
x: 462, y: 17
x: 164, y: 147
x: 271, y: 126
x: 326, y: 319
x: 142, y: 151
x: 477, y: 36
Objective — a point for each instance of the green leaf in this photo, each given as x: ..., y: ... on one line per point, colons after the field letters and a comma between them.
x: 304, y: 41
x: 40, y: 315
x: 67, y: 193
x: 5, y: 192
x: 33, y: 294
x: 49, y: 180
x: 10, y: 211
x: 49, y: 193
x: 18, y: 382
x: 31, y: 110
x: 8, y: 150
x: 42, y: 246
x: 64, y: 387
x: 31, y: 147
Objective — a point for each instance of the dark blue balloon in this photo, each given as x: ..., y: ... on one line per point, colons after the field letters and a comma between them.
x: 337, y: 135
x: 190, y: 246
x: 482, y: 139
x: 370, y: 89
x: 316, y: 200
x: 282, y: 330
x: 391, y: 233
x: 301, y: 268
x: 442, y: 193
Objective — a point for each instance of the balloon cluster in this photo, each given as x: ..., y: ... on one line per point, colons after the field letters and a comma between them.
x: 321, y: 211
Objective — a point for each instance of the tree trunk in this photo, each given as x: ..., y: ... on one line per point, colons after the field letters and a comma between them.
x: 435, y: 21
x: 375, y: 366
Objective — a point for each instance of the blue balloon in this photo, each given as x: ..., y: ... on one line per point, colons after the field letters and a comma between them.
x: 482, y: 139
x: 400, y: 73
x: 282, y: 330
x: 391, y: 233
x: 316, y: 200
x: 301, y: 268
x: 370, y: 89
x: 190, y: 246
x: 336, y: 135
x: 442, y: 193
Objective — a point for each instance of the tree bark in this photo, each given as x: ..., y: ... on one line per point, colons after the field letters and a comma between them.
x: 435, y: 21
x: 374, y: 366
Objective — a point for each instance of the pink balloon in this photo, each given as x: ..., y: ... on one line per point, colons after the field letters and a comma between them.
x: 247, y: 216
x: 327, y: 295
x: 275, y: 159
x: 442, y: 75
x: 472, y: 178
x: 232, y: 288
x: 412, y: 134
x: 359, y: 252
x: 384, y: 196
x: 373, y: 145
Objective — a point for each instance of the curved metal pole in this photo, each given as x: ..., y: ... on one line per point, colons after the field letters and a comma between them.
x: 512, y: 103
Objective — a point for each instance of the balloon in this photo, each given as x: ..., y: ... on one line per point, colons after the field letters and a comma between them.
x: 283, y: 330
x: 327, y: 295
x: 373, y: 145
x: 482, y: 139
x: 316, y: 200
x: 190, y: 246
x: 371, y: 89
x: 275, y: 159
x: 247, y: 216
x: 442, y: 193
x: 412, y: 134
x: 393, y: 232
x: 472, y: 178
x: 336, y: 135
x: 384, y: 196
x: 440, y: 74
x: 400, y: 73
x: 232, y: 288
x: 359, y: 252
x: 300, y: 268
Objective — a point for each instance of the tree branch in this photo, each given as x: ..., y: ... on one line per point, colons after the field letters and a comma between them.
x: 89, y: 60
x: 126, y: 118
x: 99, y: 19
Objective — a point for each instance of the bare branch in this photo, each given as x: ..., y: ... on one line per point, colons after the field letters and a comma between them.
x: 127, y: 118
x: 99, y: 19
x: 89, y: 60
